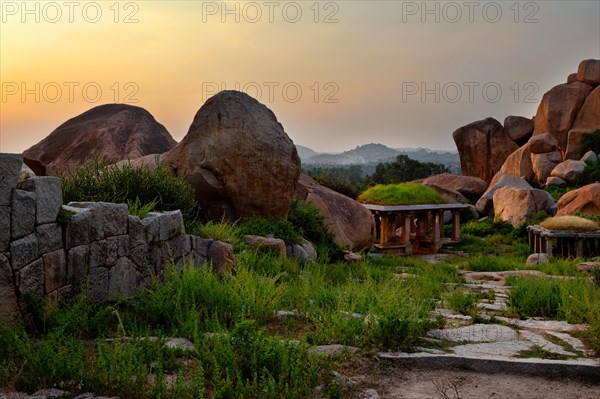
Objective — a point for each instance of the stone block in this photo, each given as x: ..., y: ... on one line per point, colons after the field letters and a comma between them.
x: 140, y: 255
x: 143, y: 231
x: 22, y: 218
x: 78, y: 260
x: 10, y: 167
x: 9, y: 307
x: 120, y: 245
x: 200, y: 245
x: 98, y: 284
x: 49, y: 237
x: 98, y: 254
x: 4, y: 227
x: 55, y: 270
x: 48, y: 195
x: 23, y: 251
x: 122, y: 280
x: 30, y: 279
x: 78, y: 230
x: 177, y: 248
x: 107, y: 219
x: 170, y: 225
x: 222, y: 257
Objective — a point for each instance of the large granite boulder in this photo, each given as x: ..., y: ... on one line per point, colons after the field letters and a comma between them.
x: 544, y: 164
x: 483, y: 147
x: 569, y: 170
x: 519, y: 128
x: 238, y: 159
x: 587, y: 121
x: 486, y: 202
x: 350, y: 222
x: 558, y: 109
x: 114, y: 131
x: 589, y: 72
x: 519, y: 164
x: 585, y: 200
x: 469, y: 186
x: 517, y: 205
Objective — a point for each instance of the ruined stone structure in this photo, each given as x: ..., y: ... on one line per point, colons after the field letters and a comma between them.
x: 94, y: 247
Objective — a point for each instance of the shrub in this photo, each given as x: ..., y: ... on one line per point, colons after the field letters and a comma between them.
x: 400, y: 194
x: 569, y: 223
x: 98, y: 181
x: 463, y: 302
x: 270, y: 228
x: 591, y: 142
x: 591, y: 173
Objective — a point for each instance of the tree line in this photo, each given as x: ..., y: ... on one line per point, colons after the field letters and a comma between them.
x: 351, y: 180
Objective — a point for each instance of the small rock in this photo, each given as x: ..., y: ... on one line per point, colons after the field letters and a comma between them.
x: 555, y: 182
x: 588, y: 266
x: 51, y: 393
x: 180, y: 343
x: 536, y: 259
x: 281, y: 314
x: 369, y: 394
x: 589, y: 156
x: 351, y: 257
x: 333, y: 350
x: 276, y: 245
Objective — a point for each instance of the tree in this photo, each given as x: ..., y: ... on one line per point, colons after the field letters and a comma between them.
x: 405, y: 169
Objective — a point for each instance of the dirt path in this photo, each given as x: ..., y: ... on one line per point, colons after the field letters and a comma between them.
x: 395, y: 383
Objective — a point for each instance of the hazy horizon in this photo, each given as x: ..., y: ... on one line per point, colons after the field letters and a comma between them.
x: 337, y: 74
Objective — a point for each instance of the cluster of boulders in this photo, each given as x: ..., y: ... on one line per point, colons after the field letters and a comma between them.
x: 516, y: 160
x: 236, y: 156
x: 93, y: 246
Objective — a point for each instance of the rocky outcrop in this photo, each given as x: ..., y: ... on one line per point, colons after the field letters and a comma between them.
x: 486, y: 202
x: 517, y: 204
x: 350, y: 223
x: 585, y: 200
x: 587, y: 121
x: 469, y: 186
x: 483, y: 147
x: 519, y: 128
x: 589, y: 72
x: 238, y: 159
x: 569, y: 170
x: 519, y: 164
x: 113, y: 131
x: 558, y: 109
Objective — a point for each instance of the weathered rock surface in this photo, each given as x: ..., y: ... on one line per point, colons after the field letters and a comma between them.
x: 221, y: 255
x: 115, y: 131
x: 589, y: 156
x: 555, y: 182
x: 9, y: 309
x: 558, y: 109
x: 544, y: 164
x: 23, y: 213
x: 542, y: 143
x: 10, y: 166
x: 588, y: 118
x: 483, y: 147
x: 589, y: 72
x: 537, y: 259
x: 238, y: 158
x: 585, y: 199
x: 350, y: 223
x: 486, y: 202
x: 517, y: 205
x: 519, y: 128
x: 569, y: 170
x: 48, y: 194
x: 273, y: 244
x: 469, y: 186
x: 449, y: 195
x: 519, y: 164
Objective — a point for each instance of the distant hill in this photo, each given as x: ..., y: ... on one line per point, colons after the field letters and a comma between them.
x: 305, y: 152
x: 372, y: 154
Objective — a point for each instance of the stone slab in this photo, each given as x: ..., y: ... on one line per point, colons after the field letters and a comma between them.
x: 10, y: 167
x: 48, y: 194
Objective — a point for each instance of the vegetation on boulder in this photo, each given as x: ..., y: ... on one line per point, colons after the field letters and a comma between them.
x: 400, y: 194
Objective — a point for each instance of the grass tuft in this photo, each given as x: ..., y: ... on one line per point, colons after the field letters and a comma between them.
x: 570, y: 223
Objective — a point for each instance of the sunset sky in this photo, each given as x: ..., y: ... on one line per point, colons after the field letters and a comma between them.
x: 337, y: 74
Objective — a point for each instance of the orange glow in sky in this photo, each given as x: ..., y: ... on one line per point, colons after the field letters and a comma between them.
x: 336, y: 73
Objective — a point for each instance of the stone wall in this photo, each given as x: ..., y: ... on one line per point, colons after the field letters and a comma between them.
x: 95, y: 247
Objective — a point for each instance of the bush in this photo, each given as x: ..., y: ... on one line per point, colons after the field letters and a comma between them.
x: 591, y: 173
x: 270, y: 228
x: 591, y: 142
x: 400, y: 194
x: 404, y: 169
x: 139, y: 187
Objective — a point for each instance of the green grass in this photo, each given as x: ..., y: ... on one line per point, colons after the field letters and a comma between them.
x: 141, y: 187
x: 538, y: 352
x: 400, y: 194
